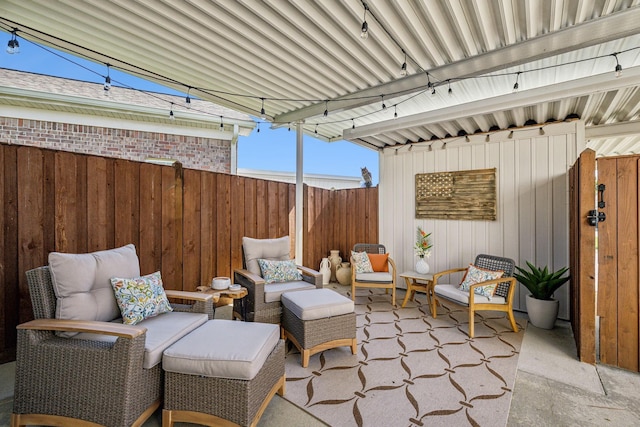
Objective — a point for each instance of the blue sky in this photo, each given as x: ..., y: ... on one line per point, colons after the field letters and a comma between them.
x: 269, y: 149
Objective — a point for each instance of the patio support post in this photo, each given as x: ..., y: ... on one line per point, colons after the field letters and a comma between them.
x: 299, y: 194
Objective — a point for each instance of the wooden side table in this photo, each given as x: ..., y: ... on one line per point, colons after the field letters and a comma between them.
x: 227, y: 293
x: 417, y: 282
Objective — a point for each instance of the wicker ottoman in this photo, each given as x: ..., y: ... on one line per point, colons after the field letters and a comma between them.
x: 223, y: 371
x: 317, y: 320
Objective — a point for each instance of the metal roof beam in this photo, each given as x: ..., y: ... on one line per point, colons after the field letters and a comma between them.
x: 591, y: 33
x: 575, y: 88
x: 613, y: 130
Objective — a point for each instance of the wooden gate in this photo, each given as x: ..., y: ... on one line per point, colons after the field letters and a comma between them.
x: 582, y: 256
x: 618, y: 262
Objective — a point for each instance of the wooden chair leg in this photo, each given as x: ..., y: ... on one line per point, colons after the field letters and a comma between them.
x: 471, y: 323
x: 512, y: 320
x: 354, y: 346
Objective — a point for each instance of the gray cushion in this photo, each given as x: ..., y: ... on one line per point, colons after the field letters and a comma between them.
x: 452, y: 292
x: 223, y: 349
x: 81, y: 282
x: 271, y: 249
x: 273, y: 291
x: 317, y: 304
x: 379, y: 277
x: 162, y: 331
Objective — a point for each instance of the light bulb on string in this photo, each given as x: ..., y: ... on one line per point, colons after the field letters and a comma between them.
x: 326, y: 108
x: 618, y: 68
x: 395, y: 111
x: 221, y: 124
x: 429, y: 84
x: 107, y: 80
x: 353, y: 124
x: 403, y: 69
x: 258, y: 128
x: 316, y: 129
x: 187, y: 100
x: 13, y: 46
x: 450, y: 91
x: 171, y: 115
x: 364, y: 31
x: 384, y: 106
x: 263, y: 114
x: 516, y: 85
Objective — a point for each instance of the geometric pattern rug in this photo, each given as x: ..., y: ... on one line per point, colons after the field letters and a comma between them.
x: 411, y: 369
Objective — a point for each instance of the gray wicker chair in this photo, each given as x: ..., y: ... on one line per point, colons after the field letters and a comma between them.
x: 377, y: 280
x: 261, y: 306
x: 501, y: 301
x: 68, y: 381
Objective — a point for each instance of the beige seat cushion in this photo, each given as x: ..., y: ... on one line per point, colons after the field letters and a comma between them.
x: 223, y: 349
x: 452, y: 292
x: 273, y: 291
x: 379, y: 277
x: 317, y: 304
x: 162, y: 331
x: 270, y: 249
x: 81, y: 282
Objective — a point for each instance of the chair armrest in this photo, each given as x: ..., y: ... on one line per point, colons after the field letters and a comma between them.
x: 90, y: 326
x: 313, y: 276
x: 246, y: 274
x: 186, y: 295
x: 393, y: 266
x: 439, y: 274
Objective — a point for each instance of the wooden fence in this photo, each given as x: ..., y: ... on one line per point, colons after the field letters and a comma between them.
x: 188, y: 224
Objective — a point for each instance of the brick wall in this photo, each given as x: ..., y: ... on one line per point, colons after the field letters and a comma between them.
x: 193, y: 152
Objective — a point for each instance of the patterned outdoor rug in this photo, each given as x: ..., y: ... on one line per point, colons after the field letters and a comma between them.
x: 411, y: 369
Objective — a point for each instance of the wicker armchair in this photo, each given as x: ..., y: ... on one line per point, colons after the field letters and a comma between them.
x: 262, y: 303
x: 385, y: 279
x: 502, y: 300
x: 71, y: 381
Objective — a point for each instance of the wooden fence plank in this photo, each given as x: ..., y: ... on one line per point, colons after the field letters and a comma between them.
x: 126, y: 191
x: 250, y: 207
x: 66, y: 196
x: 628, y: 264
x: 237, y: 220
x: 262, y: 210
x: 192, y: 230
x: 607, y: 265
x: 172, y: 227
x: 223, y: 241
x: 97, y: 201
x: 150, y: 246
x: 208, y: 224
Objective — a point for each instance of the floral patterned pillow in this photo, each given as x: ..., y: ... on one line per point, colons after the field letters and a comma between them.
x: 361, y: 260
x: 279, y: 271
x: 476, y: 275
x: 140, y: 297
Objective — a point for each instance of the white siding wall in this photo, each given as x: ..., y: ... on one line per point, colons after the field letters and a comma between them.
x: 532, y: 200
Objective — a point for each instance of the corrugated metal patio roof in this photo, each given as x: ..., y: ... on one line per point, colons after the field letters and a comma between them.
x: 298, y: 58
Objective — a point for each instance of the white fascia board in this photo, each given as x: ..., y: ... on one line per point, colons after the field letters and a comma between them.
x: 46, y: 98
x: 109, y: 122
x: 579, y: 87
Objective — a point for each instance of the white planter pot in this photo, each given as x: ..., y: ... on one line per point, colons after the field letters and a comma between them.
x: 542, y: 313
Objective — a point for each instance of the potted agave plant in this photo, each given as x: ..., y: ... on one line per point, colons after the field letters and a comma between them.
x: 541, y: 307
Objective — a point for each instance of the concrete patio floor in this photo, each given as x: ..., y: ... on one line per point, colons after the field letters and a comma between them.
x: 552, y: 389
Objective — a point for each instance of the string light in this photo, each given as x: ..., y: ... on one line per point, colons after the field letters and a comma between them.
x: 353, y: 124
x: 516, y: 86
x: 395, y: 112
x: 542, y: 132
x: 364, y: 33
x: 289, y: 127
x: 326, y: 108
x: 221, y: 124
x: 316, y: 129
x: 258, y: 128
x: 384, y: 106
x: 403, y: 69
x: 488, y: 138
x: 429, y: 84
x: 511, y: 135
x: 262, y: 112
x: 618, y: 68
x: 107, y: 80
x: 449, y: 90
x: 187, y: 100
x: 466, y: 138
x: 171, y: 115
x: 13, y: 46
x: 410, y: 147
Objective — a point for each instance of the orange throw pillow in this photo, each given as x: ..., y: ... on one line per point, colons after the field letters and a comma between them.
x: 379, y: 262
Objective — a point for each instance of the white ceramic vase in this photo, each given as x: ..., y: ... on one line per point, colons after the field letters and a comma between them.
x: 325, y: 270
x: 422, y: 266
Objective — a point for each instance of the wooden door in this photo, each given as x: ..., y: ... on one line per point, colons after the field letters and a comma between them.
x: 582, y: 255
x: 619, y: 263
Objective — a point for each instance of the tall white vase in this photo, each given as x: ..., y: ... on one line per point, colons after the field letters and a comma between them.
x: 325, y: 270
x: 421, y: 266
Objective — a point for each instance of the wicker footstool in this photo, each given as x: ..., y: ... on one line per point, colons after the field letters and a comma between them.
x: 223, y: 371
x: 317, y: 320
